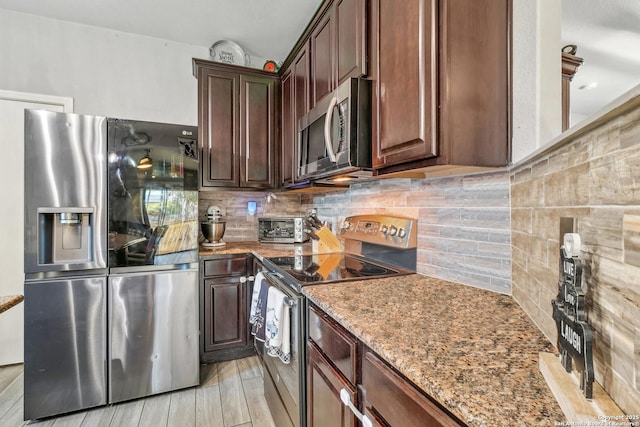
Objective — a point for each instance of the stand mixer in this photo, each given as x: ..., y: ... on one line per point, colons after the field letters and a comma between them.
x: 213, y: 228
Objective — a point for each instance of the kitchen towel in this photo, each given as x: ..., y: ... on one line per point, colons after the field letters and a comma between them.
x: 257, y: 285
x: 260, y: 312
x: 277, y: 329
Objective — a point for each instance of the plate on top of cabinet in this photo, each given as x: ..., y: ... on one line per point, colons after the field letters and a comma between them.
x: 229, y: 52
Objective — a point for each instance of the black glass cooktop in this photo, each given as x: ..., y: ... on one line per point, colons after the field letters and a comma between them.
x: 316, y: 269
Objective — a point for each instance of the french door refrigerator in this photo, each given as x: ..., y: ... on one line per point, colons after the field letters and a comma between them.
x: 110, y: 261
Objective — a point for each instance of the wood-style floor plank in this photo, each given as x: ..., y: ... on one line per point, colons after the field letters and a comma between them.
x: 254, y: 394
x: 208, y: 375
x: 230, y: 395
x: 14, y: 416
x: 11, y: 395
x: 8, y: 374
x: 156, y: 411
x: 209, y: 407
x: 234, y: 406
x: 182, y: 411
x: 72, y: 420
x: 128, y: 414
x: 99, y: 417
x: 249, y: 367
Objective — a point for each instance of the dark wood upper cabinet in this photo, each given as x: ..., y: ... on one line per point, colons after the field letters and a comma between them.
x: 475, y: 82
x: 295, y: 104
x: 351, y: 39
x: 442, y: 91
x: 338, y: 47
x: 404, y: 36
x: 257, y: 131
x: 322, y: 50
x: 288, y: 129
x: 237, y: 125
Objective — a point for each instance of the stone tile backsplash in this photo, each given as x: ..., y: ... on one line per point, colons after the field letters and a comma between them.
x: 464, y: 232
x: 240, y: 226
x: 595, y: 179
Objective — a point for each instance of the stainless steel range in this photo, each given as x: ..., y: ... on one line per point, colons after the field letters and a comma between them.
x: 376, y: 246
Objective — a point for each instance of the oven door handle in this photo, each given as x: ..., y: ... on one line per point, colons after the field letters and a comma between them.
x: 275, y: 280
x: 327, y: 130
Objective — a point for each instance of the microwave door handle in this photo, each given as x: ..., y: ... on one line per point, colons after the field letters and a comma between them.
x: 327, y: 130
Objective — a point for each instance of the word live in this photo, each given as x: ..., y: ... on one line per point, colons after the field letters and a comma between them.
x: 575, y: 337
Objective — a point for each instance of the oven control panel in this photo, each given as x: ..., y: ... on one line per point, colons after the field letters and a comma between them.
x: 385, y: 230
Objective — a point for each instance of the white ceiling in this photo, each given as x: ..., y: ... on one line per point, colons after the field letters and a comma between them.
x: 264, y: 28
x: 607, y: 32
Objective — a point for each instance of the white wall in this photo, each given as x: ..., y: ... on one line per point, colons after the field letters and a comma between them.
x: 537, y: 75
x: 107, y: 72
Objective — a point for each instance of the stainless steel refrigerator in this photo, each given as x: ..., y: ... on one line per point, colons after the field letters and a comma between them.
x: 110, y: 261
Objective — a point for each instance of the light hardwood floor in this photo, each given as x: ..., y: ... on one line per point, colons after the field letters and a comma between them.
x: 230, y: 394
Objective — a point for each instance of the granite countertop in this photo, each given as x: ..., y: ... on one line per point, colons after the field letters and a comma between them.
x: 8, y: 301
x: 260, y: 250
x: 474, y: 351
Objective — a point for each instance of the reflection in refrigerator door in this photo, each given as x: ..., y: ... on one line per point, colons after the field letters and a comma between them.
x: 65, y: 353
x: 153, y: 194
x: 153, y: 335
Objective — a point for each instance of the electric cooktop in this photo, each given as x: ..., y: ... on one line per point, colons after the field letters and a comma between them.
x: 318, y: 269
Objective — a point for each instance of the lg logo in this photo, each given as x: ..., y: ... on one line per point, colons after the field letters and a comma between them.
x: 186, y: 132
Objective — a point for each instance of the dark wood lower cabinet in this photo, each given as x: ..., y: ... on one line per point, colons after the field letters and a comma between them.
x: 225, y: 313
x: 324, y: 382
x: 385, y: 396
x: 225, y: 295
x: 391, y: 400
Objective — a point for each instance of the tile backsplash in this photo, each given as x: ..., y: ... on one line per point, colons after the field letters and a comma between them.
x: 594, y: 178
x: 240, y: 225
x: 463, y: 222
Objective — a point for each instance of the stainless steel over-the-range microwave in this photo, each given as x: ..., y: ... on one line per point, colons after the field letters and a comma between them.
x: 334, y: 138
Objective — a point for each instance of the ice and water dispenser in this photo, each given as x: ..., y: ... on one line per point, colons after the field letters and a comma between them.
x: 65, y: 235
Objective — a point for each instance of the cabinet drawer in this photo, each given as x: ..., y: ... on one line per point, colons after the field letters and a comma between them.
x: 336, y: 343
x: 229, y: 266
x: 390, y: 397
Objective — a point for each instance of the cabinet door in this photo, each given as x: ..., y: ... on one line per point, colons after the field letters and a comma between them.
x: 405, y: 36
x: 218, y: 122
x: 474, y: 82
x: 288, y: 129
x: 322, y: 63
x: 324, y: 382
x: 391, y: 398
x: 225, y: 321
x: 295, y: 104
x: 350, y: 32
x: 257, y: 132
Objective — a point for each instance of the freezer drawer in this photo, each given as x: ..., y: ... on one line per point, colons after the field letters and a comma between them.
x: 153, y: 333
x: 65, y: 346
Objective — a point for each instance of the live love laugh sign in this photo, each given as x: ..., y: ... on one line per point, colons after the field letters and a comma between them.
x: 574, y: 334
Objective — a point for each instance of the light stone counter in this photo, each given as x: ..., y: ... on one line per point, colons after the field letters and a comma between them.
x: 259, y: 250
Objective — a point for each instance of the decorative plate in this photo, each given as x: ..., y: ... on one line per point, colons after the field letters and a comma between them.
x: 229, y: 52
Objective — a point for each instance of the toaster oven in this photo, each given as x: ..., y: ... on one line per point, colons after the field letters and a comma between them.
x: 282, y: 230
